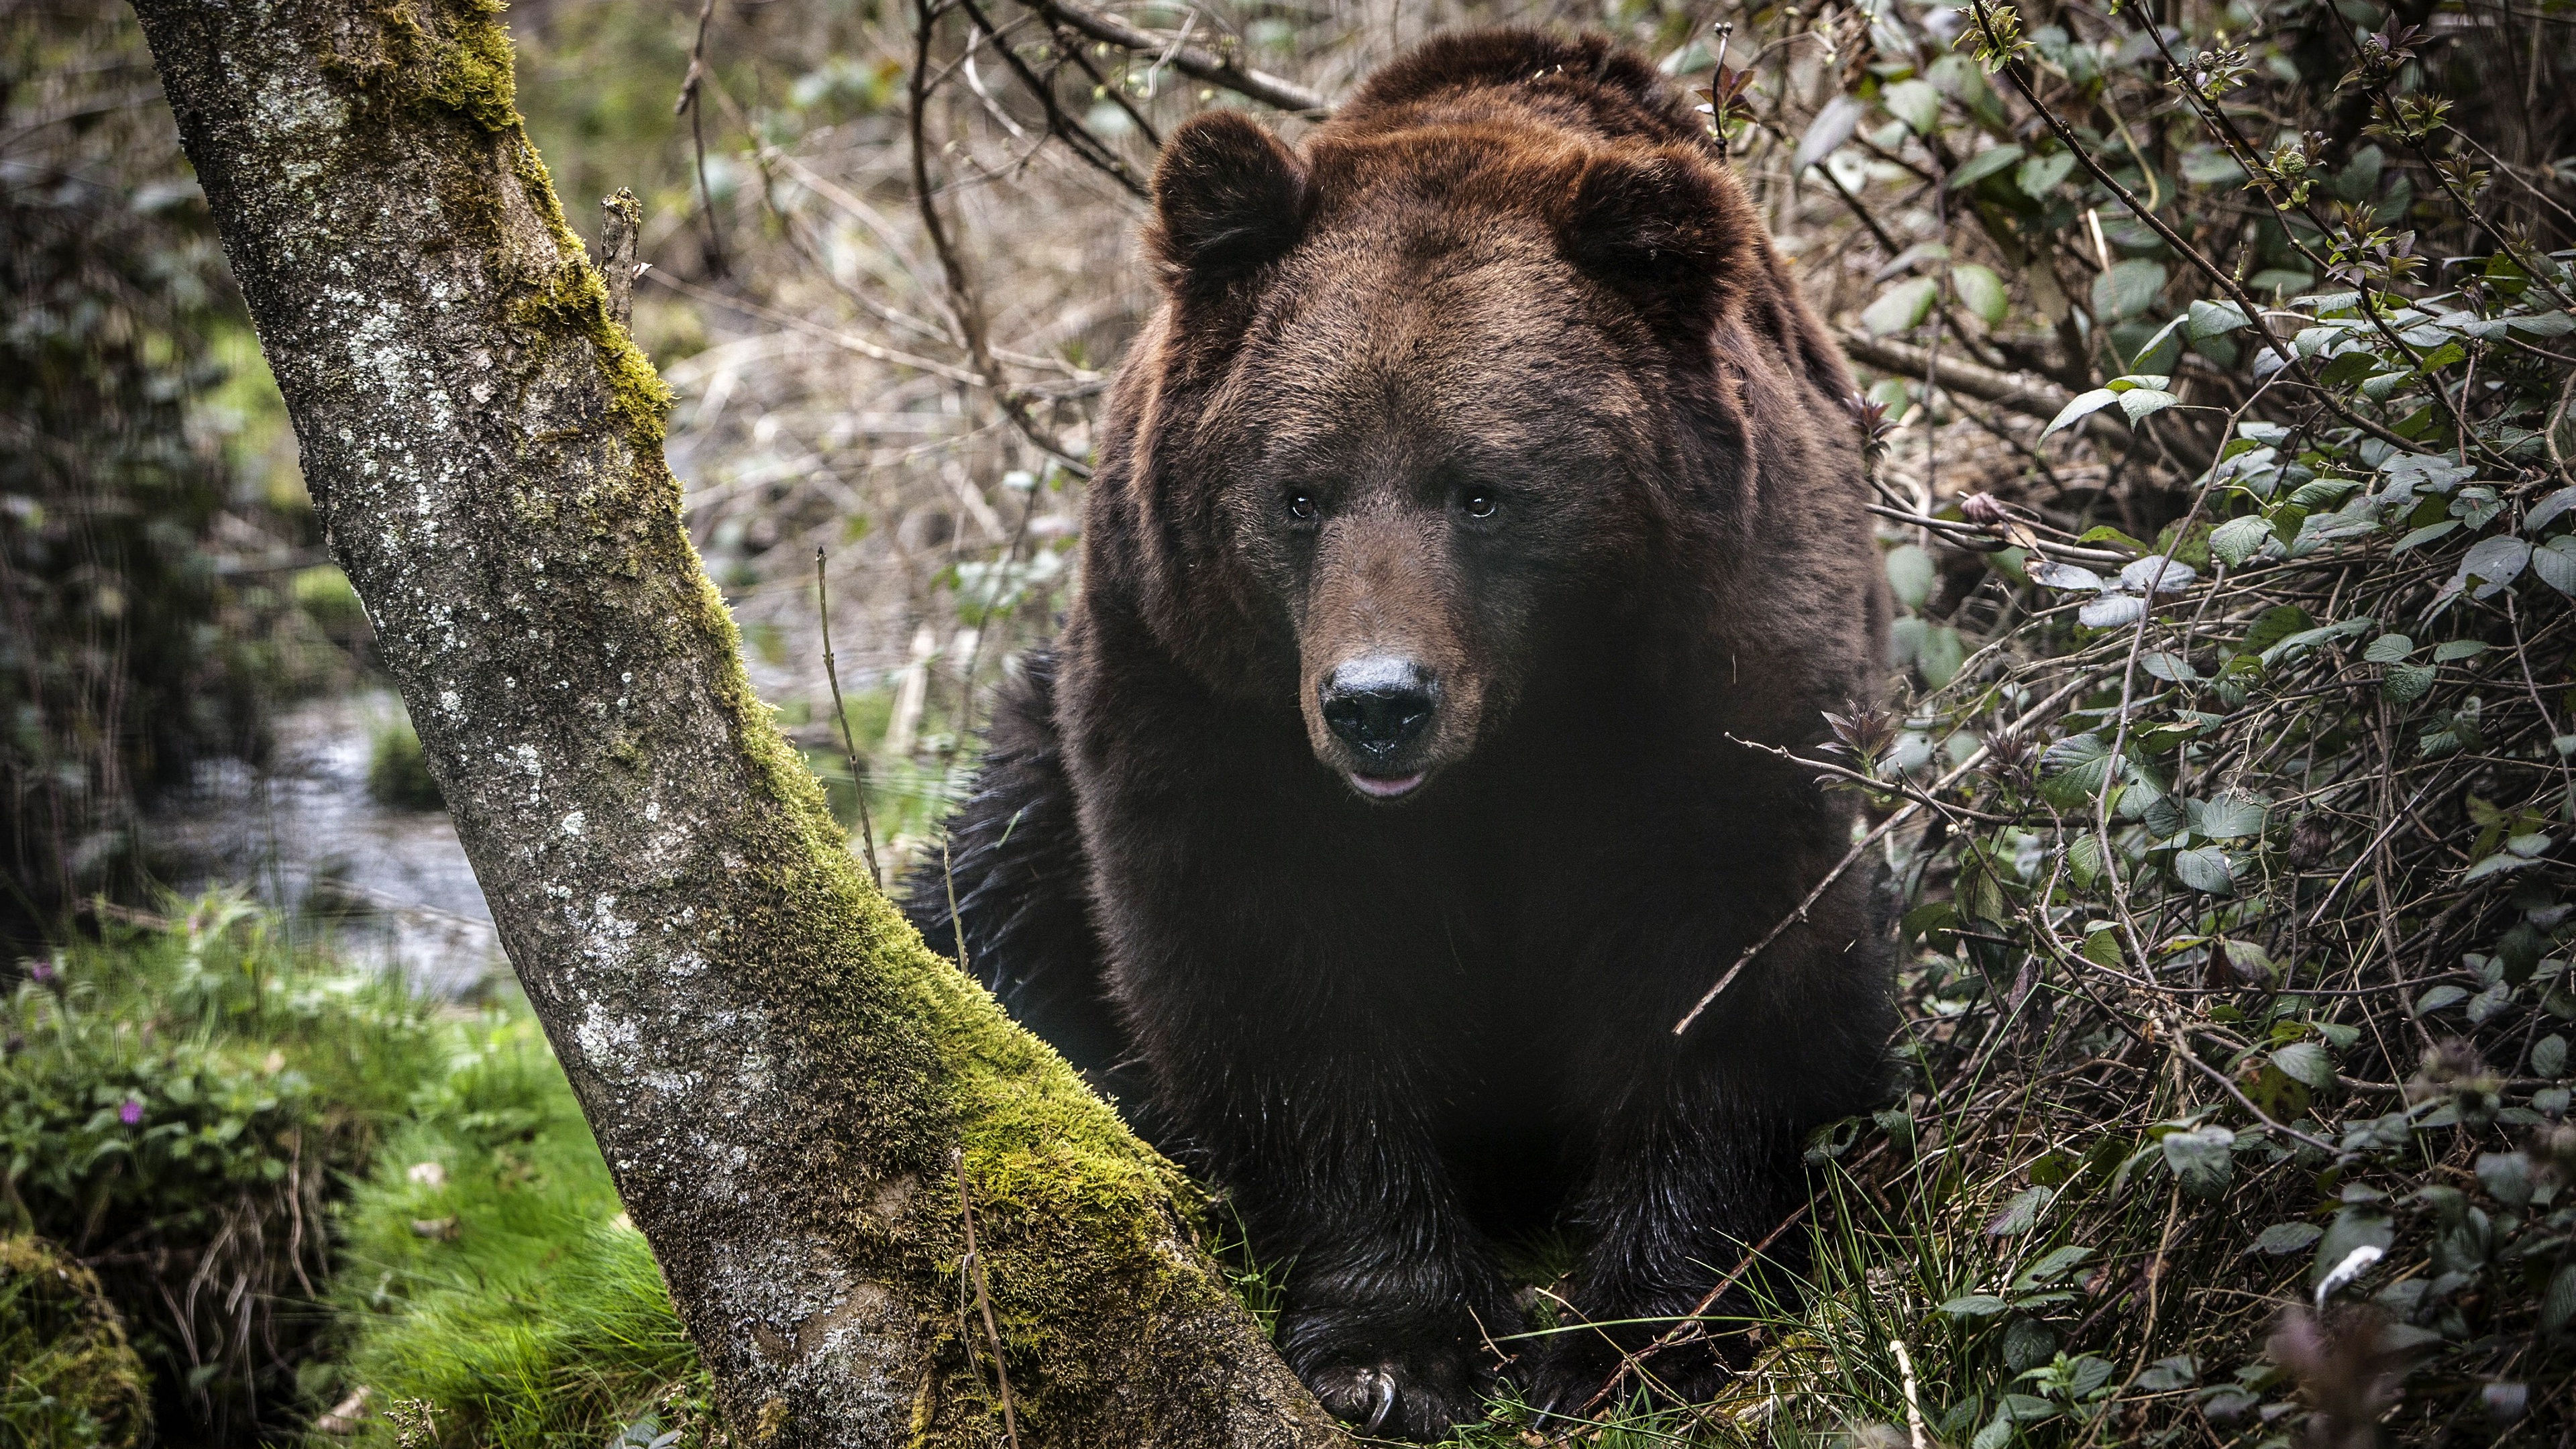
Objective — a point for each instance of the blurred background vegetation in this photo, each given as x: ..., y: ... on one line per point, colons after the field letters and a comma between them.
x: 2218, y: 374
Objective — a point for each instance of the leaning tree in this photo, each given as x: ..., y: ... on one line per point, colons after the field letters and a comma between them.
x: 886, y: 1214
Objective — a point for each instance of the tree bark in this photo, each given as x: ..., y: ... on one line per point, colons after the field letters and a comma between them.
x: 789, y: 1087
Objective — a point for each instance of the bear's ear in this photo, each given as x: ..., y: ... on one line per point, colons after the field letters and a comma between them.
x: 1664, y: 227
x: 1227, y: 198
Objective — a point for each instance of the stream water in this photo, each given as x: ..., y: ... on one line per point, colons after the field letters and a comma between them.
x: 304, y: 835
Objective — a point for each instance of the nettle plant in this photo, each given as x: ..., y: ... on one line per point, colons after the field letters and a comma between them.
x: 2231, y: 809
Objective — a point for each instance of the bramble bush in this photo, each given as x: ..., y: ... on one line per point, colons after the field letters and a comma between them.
x: 2228, y: 796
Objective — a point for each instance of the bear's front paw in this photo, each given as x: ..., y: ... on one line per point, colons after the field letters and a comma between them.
x: 1410, y: 1382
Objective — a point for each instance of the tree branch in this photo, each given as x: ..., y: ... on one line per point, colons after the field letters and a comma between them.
x: 2030, y: 399
x: 1189, y: 60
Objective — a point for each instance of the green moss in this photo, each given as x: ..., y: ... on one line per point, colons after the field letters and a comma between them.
x: 453, y: 54
x: 68, y: 1378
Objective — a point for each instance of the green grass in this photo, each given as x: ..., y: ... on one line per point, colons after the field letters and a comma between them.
x: 488, y: 1271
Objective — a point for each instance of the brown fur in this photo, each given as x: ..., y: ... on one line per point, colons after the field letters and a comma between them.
x: 1510, y: 276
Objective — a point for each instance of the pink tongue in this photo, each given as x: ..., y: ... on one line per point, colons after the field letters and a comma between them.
x: 1385, y: 788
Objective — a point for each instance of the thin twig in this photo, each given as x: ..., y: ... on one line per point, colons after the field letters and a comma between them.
x: 974, y: 1264
x: 849, y: 742
x: 689, y: 106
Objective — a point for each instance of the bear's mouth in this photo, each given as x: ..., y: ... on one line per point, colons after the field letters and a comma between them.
x: 1387, y: 787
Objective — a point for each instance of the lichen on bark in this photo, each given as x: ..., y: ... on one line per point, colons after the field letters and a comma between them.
x: 787, y: 1083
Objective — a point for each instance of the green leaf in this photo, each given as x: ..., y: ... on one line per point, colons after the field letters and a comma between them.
x: 2021, y: 1214
x: 2167, y: 1374
x: 2082, y: 405
x: 2406, y: 683
x: 2039, y: 175
x: 1914, y: 102
x: 1984, y: 164
x: 2055, y: 1267
x: 2211, y: 166
x: 1910, y: 573
x: 2306, y: 1062
x: 2084, y: 860
x: 2507, y: 1177
x: 2496, y: 864
x: 2239, y: 539
x: 2426, y: 534
x: 2493, y: 563
x: 2549, y: 1056
x: 2204, y: 868
x: 2438, y: 997
x: 2388, y: 649
x: 2074, y: 770
x: 2139, y: 402
x: 2160, y: 352
x: 2201, y: 1159
x: 2554, y: 563
x: 2251, y: 961
x: 2274, y: 625
x: 2558, y: 1305
x: 1940, y: 655
x: 2282, y: 1239
x: 1981, y: 291
x: 1902, y: 306
x: 2215, y: 319
x: 2127, y: 289
x: 2456, y: 649
x: 1827, y: 132
x: 2540, y: 515
x: 2232, y: 816
x: 2361, y: 1225
x: 1974, y: 1305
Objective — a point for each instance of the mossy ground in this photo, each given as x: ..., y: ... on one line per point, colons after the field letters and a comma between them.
x: 489, y: 1273
x: 68, y: 1377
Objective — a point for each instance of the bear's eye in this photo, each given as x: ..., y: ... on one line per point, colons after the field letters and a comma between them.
x: 1480, y: 503
x: 1300, y: 504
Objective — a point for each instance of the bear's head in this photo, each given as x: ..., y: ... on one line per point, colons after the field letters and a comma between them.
x: 1432, y: 396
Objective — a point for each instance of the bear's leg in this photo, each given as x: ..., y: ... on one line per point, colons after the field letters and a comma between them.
x: 1698, y: 1155
x: 1392, y: 1295
x: 1684, y: 1189
x: 1275, y: 1064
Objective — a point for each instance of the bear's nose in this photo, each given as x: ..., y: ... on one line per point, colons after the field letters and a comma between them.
x: 1380, y: 703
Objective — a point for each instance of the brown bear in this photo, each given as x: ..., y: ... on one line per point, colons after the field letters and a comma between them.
x: 1480, y: 484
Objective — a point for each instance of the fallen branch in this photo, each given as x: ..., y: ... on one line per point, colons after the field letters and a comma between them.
x: 2031, y: 399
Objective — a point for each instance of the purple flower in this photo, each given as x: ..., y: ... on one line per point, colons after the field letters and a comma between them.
x: 131, y: 1113
x: 41, y: 972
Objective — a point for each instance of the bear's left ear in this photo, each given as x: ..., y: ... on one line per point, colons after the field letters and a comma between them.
x: 1665, y: 227
x: 1228, y: 197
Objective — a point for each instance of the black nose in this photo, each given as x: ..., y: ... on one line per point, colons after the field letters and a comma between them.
x: 1380, y: 703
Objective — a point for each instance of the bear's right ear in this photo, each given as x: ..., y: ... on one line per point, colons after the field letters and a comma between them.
x: 1227, y: 198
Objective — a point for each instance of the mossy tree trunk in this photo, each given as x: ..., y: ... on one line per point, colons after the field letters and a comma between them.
x: 789, y: 1087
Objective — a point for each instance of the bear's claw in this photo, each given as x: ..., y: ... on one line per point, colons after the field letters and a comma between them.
x: 1375, y: 1399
